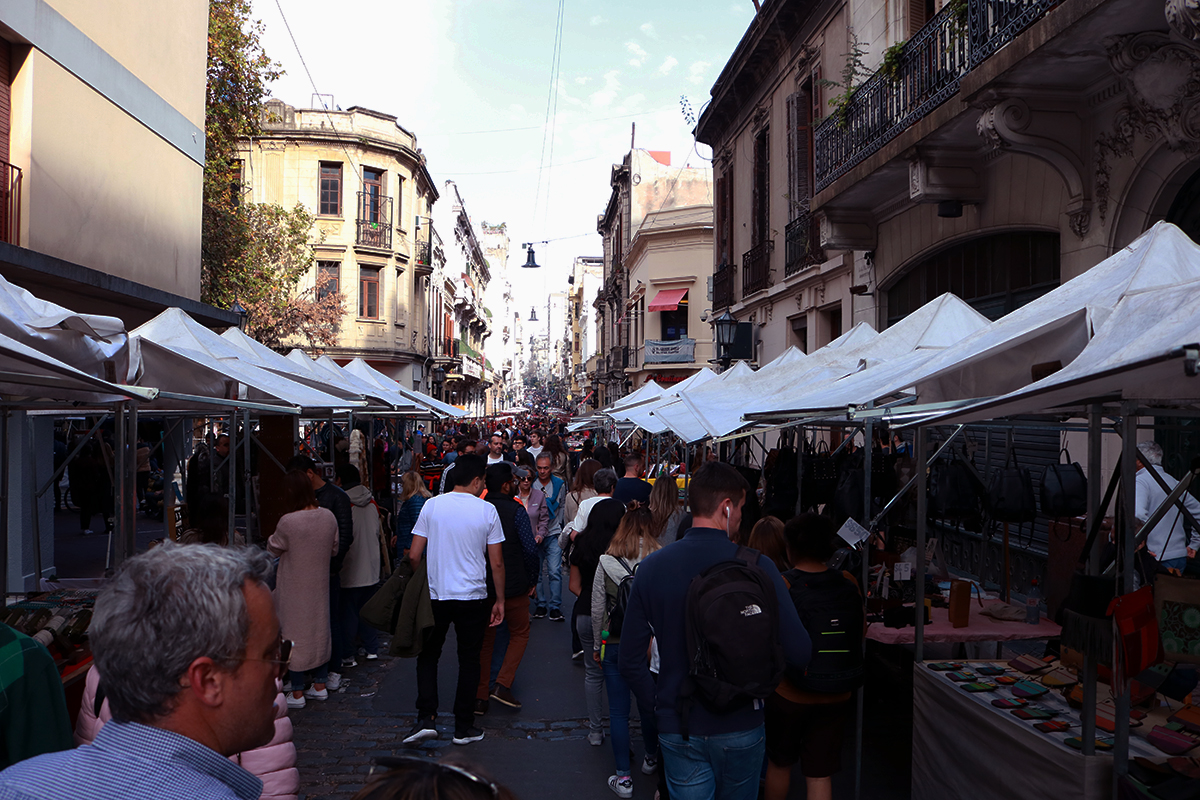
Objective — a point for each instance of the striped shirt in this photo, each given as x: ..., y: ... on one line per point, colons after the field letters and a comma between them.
x: 129, y: 760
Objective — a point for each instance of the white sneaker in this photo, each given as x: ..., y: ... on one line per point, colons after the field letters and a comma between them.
x: 334, y: 681
x: 621, y: 785
x: 372, y: 656
x: 295, y: 702
x: 287, y: 687
x: 316, y: 694
x: 349, y: 662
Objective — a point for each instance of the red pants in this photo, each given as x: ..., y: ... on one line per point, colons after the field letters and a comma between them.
x: 516, y: 614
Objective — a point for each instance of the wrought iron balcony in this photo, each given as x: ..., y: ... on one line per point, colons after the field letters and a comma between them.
x: 374, y: 221
x: 802, y: 244
x: 931, y: 65
x: 723, y: 286
x: 423, y: 257
x: 756, y: 268
x: 10, y: 203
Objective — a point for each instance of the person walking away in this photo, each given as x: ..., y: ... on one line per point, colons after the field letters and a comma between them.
x: 604, y: 479
x: 806, y: 716
x: 722, y: 754
x: 465, y: 447
x: 549, y: 587
x: 767, y: 538
x: 190, y: 676
x: 631, y: 487
x: 305, y: 538
x: 561, y: 466
x: 413, y: 495
x: 143, y: 470
x: 1168, y: 541
x: 667, y: 513
x: 460, y: 536
x: 363, y: 567
x: 585, y: 559
x: 333, y: 498
x: 633, y: 541
x: 520, y: 571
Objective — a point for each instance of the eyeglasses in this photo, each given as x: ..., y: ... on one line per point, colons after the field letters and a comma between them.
x: 285, y: 656
x: 410, y: 762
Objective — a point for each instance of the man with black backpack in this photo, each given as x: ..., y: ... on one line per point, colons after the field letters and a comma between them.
x: 807, y: 712
x: 726, y: 629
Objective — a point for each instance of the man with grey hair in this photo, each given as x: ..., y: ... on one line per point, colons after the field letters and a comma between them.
x: 1168, y: 542
x: 188, y: 643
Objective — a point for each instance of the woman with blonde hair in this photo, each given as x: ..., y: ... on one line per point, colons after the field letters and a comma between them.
x: 633, y: 541
x: 666, y: 512
x: 413, y: 495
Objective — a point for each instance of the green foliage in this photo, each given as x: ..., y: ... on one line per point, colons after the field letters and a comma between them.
x: 890, y: 68
x: 852, y: 72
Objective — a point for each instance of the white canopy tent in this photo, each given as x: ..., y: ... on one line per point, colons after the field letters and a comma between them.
x: 324, y: 369
x: 642, y: 414
x: 369, y: 374
x: 686, y: 419
x: 643, y: 394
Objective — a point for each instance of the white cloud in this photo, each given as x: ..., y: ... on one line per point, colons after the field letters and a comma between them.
x: 696, y: 71
x: 582, y: 80
x: 596, y: 20
x: 638, y: 52
x: 648, y: 30
x: 668, y: 65
x: 602, y: 98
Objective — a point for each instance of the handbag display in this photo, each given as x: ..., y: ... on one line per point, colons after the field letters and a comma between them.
x: 1139, y: 645
x: 1177, y: 608
x: 952, y: 492
x: 1064, y: 489
x: 1010, y: 493
x: 820, y: 478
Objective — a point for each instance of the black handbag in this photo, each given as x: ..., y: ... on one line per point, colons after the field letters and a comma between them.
x: 1064, y: 489
x: 1010, y: 495
x: 820, y: 479
x: 848, y: 497
x: 952, y: 492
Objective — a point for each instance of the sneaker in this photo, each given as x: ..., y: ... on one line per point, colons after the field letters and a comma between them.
x: 467, y: 736
x: 295, y: 702
x: 287, y: 688
x: 539, y: 612
x: 649, y: 764
x: 372, y: 656
x: 502, y: 694
x: 316, y: 694
x: 556, y: 615
x: 596, y: 738
x: 577, y: 655
x: 621, y: 784
x: 422, y: 729
x: 334, y: 681
x: 349, y: 662
x: 481, y: 707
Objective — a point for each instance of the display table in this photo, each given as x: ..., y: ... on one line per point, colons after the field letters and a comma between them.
x: 980, y: 628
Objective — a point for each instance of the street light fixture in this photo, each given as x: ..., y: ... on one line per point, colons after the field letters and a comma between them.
x: 724, y: 331
x: 242, y: 314
x: 529, y: 262
x: 439, y: 377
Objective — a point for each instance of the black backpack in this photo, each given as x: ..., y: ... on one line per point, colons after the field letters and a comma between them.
x: 731, y: 621
x: 615, y: 605
x: 1064, y: 489
x: 831, y: 609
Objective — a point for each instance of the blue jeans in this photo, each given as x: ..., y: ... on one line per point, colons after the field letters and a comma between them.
x: 320, y: 675
x: 352, y: 602
x: 1175, y: 563
x: 618, y: 712
x: 593, y: 677
x: 550, y: 559
x: 725, y: 766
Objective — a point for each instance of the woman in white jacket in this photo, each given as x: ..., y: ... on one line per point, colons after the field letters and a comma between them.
x: 633, y: 541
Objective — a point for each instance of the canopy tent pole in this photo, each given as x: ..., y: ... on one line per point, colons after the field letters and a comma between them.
x: 247, y: 483
x: 1095, y: 462
x: 922, y: 501
x: 860, y: 699
x: 801, y: 443
x: 5, y: 508
x: 1127, y: 527
x: 124, y: 547
x: 231, y: 461
x: 35, y: 522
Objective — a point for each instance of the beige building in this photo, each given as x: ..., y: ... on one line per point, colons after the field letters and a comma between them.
x: 359, y: 172
x: 644, y: 189
x: 465, y: 322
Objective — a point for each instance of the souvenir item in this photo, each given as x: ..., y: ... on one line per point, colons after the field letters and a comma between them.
x: 1060, y: 677
x: 1106, y: 718
x: 946, y: 666
x: 1173, y: 743
x: 1006, y: 680
x: 1102, y: 743
x: 1177, y: 603
x: 987, y: 669
x: 1028, y: 664
x: 1032, y: 713
x: 980, y: 687
x: 960, y: 677
x: 1188, y: 717
x: 1028, y: 689
x: 1009, y: 702
x: 1053, y: 726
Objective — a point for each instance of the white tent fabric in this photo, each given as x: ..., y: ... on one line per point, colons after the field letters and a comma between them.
x: 29, y: 375
x: 181, y: 355
x: 366, y: 372
x: 1135, y: 355
x: 324, y: 369
x: 689, y: 421
x: 642, y: 415
x: 645, y: 393
x: 92, y: 344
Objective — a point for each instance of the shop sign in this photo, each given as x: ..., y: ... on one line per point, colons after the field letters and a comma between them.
x: 471, y: 369
x: 680, y: 351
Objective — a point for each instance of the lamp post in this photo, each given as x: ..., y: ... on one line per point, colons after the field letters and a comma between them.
x: 242, y: 314
x: 724, y: 331
x: 439, y: 378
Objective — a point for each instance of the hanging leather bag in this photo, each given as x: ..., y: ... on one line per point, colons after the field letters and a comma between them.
x: 820, y: 477
x: 1064, y: 489
x: 952, y: 492
x: 1010, y: 495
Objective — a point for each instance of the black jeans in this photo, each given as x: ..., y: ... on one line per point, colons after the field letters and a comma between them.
x: 470, y: 619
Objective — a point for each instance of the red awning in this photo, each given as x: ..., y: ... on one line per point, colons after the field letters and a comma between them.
x: 667, y: 300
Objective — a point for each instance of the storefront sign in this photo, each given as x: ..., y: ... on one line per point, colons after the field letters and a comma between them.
x: 471, y: 369
x: 681, y: 351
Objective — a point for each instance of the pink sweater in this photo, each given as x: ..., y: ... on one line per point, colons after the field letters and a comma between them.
x: 273, y: 763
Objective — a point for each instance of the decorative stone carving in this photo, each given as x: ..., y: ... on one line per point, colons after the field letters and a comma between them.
x: 1161, y: 79
x: 769, y: 310
x: 944, y: 175
x: 844, y: 230
x: 762, y: 116
x: 1184, y: 18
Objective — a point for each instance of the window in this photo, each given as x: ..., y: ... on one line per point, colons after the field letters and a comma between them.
x: 725, y: 217
x: 368, y: 292
x: 373, y: 191
x: 400, y: 203
x: 832, y: 317
x: 328, y: 278
x: 761, y: 231
x: 799, y: 137
x: 331, y: 190
x: 800, y: 332
x: 674, y: 323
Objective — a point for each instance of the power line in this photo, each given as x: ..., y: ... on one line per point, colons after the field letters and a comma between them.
x: 539, y: 127
x: 512, y: 171
x: 547, y: 131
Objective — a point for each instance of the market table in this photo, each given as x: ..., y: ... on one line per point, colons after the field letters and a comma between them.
x: 979, y: 628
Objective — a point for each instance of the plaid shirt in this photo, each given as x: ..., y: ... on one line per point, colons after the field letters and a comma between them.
x: 130, y: 760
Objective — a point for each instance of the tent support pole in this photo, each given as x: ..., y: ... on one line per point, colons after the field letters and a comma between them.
x: 800, y: 442
x: 922, y: 502
x: 1095, y: 467
x: 82, y: 443
x: 5, y: 508
x: 35, y: 522
x: 247, y: 484
x: 868, y: 448
x: 1127, y: 527
x: 231, y: 460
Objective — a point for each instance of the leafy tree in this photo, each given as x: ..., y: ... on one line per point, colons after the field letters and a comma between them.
x: 254, y: 254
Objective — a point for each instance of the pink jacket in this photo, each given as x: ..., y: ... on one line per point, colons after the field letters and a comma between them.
x: 274, y: 763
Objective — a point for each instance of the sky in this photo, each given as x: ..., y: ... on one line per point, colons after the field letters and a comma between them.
x: 472, y: 80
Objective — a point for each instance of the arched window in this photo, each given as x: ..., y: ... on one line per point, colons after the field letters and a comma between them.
x: 1185, y: 209
x: 994, y: 274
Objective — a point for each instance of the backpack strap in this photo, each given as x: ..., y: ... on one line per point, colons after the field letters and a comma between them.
x: 624, y: 564
x: 747, y: 555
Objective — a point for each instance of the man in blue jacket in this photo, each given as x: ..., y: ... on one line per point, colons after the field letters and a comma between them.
x: 723, y: 754
x: 549, y: 591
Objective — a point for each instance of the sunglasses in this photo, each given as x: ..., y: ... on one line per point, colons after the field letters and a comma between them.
x: 285, y: 657
x: 412, y: 762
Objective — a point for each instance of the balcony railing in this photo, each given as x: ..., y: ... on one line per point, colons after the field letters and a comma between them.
x: 802, y: 240
x: 930, y: 67
x: 756, y: 268
x: 423, y: 255
x: 374, y: 221
x: 10, y: 203
x: 723, y: 286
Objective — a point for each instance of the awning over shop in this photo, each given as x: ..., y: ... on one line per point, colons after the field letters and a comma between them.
x: 667, y: 300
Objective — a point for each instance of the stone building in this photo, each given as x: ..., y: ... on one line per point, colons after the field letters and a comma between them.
x: 505, y: 346
x: 465, y: 322
x: 361, y: 174
x: 587, y: 272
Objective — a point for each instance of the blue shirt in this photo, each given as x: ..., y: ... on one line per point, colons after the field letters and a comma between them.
x: 656, y: 608
x: 129, y: 760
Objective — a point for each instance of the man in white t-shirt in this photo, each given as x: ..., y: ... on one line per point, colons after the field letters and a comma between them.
x: 459, y: 535
x: 535, y: 444
x: 495, y: 449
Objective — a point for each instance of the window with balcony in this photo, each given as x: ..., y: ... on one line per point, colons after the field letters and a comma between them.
x: 328, y: 278
x: 675, y: 323
x: 724, y: 217
x: 331, y: 190
x: 374, y: 211
x: 761, y: 217
x: 368, y: 292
